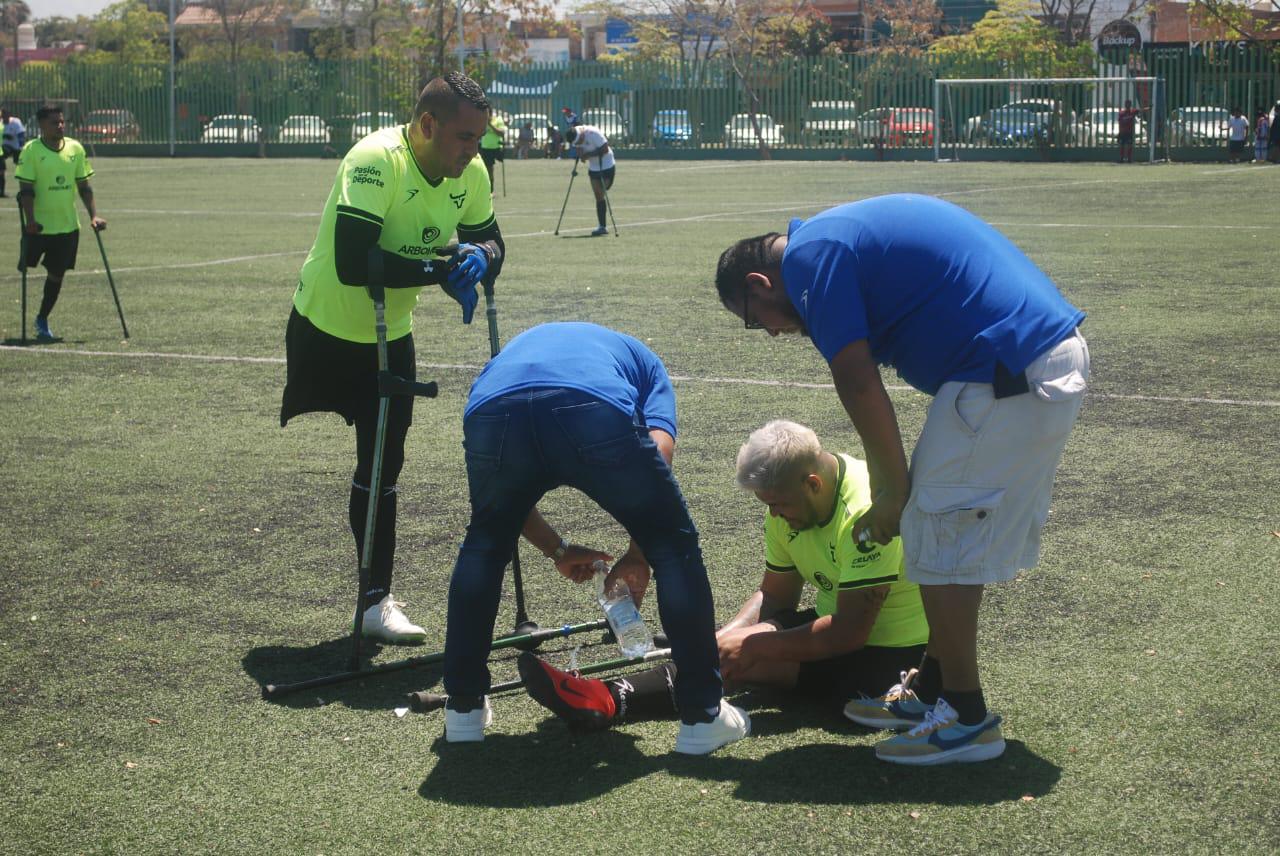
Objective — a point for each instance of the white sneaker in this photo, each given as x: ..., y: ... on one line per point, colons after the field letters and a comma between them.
x: 385, y: 621
x: 706, y: 737
x: 467, y: 727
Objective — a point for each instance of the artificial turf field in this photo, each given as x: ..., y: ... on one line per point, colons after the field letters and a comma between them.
x: 168, y: 548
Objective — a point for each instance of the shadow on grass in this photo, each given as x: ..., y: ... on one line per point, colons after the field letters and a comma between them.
x: 573, y: 770
x: 285, y: 664
x: 33, y: 342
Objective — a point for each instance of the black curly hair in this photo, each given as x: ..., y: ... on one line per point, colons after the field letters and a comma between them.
x: 442, y: 95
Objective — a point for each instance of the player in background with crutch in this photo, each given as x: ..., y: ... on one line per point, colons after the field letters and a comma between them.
x: 49, y: 167
x: 491, y: 143
x: 15, y: 137
x: 593, y: 147
x: 400, y: 195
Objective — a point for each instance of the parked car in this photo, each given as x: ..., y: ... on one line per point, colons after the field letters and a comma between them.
x: 109, y: 126
x: 909, y: 126
x: 975, y: 131
x: 1013, y: 125
x: 739, y: 131
x: 831, y: 123
x: 304, y: 129
x: 1101, y: 127
x: 232, y: 128
x: 366, y: 123
x: 540, y: 128
x: 672, y: 127
x: 1194, y: 126
x: 608, y: 121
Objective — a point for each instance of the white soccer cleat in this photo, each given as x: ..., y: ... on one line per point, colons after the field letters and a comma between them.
x: 467, y: 727
x: 385, y: 621
x: 706, y: 737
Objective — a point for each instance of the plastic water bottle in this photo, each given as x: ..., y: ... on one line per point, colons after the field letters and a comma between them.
x: 624, y: 619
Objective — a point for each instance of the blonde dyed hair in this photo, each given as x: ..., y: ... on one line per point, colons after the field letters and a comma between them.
x: 780, y: 453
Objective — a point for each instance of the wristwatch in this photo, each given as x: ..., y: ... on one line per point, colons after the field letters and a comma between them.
x: 558, y: 553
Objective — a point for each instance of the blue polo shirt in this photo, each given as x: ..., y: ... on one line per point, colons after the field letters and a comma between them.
x: 612, y: 366
x: 939, y: 294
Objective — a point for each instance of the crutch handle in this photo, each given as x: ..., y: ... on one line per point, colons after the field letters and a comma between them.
x: 393, y: 384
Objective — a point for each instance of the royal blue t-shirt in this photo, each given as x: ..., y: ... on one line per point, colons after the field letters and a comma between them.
x: 939, y: 294
x: 612, y: 366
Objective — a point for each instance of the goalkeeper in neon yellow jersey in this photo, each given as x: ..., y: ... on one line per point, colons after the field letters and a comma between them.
x: 400, y: 196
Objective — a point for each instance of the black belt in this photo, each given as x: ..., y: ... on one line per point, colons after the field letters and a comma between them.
x: 1006, y: 384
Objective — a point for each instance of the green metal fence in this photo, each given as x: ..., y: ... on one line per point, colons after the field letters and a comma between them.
x: 796, y: 104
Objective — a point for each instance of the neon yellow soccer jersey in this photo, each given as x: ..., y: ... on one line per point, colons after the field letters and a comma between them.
x: 379, y: 181
x: 830, y: 557
x: 54, y: 174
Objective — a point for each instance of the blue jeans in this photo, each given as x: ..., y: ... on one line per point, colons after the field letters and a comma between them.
x: 521, y: 446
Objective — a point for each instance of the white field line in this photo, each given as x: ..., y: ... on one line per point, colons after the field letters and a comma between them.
x: 39, y: 277
x: 722, y: 381
x: 1226, y: 170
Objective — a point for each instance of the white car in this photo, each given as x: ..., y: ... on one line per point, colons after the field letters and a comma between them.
x: 232, y: 128
x: 608, y: 121
x: 1193, y: 126
x: 831, y: 123
x: 1101, y: 127
x: 366, y: 123
x: 739, y: 133
x: 304, y: 129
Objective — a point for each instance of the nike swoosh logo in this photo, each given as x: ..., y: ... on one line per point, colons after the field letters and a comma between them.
x: 568, y: 690
x: 412, y: 193
x: 945, y: 743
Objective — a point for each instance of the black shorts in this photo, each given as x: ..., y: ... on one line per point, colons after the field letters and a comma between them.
x: 490, y: 156
x: 58, y: 252
x: 1235, y: 146
x: 1125, y: 139
x: 328, y: 374
x: 868, y: 671
x: 604, y: 175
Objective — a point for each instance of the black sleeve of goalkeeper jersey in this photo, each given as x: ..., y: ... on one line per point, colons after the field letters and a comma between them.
x: 490, y: 236
x: 353, y: 238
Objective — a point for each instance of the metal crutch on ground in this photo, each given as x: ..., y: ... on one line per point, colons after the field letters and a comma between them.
x: 504, y: 177
x: 111, y: 282
x: 425, y: 702
x: 572, y: 176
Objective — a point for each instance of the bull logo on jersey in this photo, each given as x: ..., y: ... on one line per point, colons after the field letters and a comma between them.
x: 61, y: 179
x: 864, y: 547
x: 821, y: 579
x: 459, y: 200
x: 429, y: 234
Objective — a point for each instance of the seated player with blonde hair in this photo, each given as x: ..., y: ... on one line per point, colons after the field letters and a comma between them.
x: 867, y: 627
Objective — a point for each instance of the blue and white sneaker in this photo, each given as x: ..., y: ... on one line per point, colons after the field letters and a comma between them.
x: 898, y: 709
x: 43, y: 333
x: 941, y: 739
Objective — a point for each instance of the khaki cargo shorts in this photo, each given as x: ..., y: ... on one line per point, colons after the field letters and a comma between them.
x: 982, y: 472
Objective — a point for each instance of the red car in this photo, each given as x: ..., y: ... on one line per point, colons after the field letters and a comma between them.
x: 909, y: 126
x: 109, y: 126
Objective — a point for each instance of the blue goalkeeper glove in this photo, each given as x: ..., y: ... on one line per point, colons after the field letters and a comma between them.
x: 467, y: 267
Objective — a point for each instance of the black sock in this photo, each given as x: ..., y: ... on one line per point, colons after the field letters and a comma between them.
x: 928, y: 682
x: 384, y: 538
x: 646, y: 696
x: 52, y: 287
x: 970, y: 705
x: 600, y: 212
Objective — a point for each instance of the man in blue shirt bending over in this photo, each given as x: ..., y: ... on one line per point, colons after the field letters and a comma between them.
x: 581, y: 405
x: 963, y: 315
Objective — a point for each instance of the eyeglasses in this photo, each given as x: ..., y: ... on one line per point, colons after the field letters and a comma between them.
x: 751, y: 323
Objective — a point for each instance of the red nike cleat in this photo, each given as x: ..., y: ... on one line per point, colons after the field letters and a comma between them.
x: 584, y: 704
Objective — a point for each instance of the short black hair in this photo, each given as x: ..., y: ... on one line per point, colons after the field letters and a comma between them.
x: 750, y: 255
x: 571, y: 134
x: 46, y: 111
x: 441, y: 96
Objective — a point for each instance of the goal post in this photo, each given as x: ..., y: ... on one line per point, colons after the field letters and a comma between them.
x: 1051, y: 114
